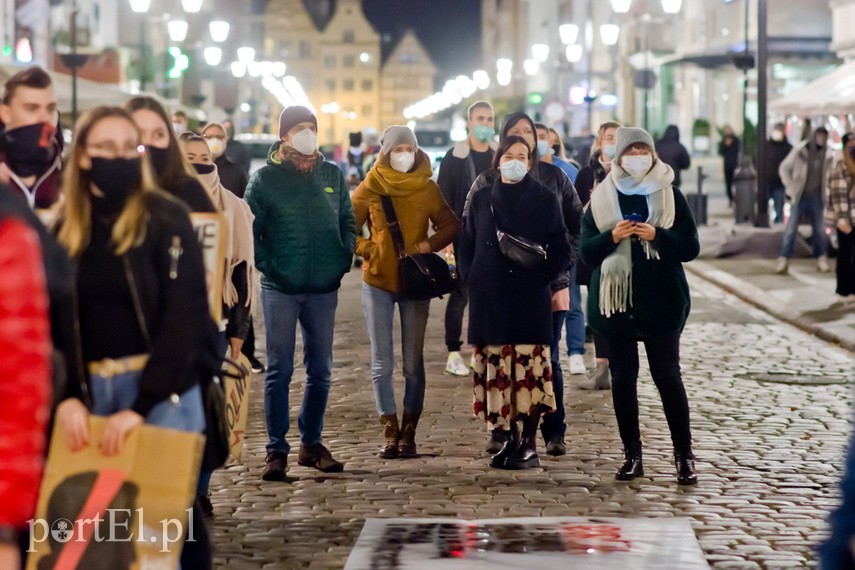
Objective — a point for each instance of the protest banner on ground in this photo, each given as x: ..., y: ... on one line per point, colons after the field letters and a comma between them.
x: 237, y: 407
x: 211, y: 232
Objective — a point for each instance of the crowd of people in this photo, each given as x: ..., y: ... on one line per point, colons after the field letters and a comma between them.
x: 104, y: 310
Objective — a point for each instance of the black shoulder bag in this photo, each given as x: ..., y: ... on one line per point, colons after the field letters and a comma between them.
x: 521, y: 251
x: 423, y: 275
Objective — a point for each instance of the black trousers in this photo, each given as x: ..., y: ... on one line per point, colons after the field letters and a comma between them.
x: 554, y: 424
x: 663, y: 356
x: 248, y: 348
x: 845, y: 263
x: 728, y: 182
x: 457, y: 300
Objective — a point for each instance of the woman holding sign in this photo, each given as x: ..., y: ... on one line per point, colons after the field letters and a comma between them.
x: 142, y: 308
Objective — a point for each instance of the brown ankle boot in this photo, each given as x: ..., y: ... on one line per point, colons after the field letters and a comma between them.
x: 392, y: 435
x: 407, y: 446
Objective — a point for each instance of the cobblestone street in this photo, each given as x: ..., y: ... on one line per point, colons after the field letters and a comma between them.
x: 768, y: 452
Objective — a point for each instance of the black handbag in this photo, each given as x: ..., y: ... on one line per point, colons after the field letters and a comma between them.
x: 423, y: 275
x: 521, y: 251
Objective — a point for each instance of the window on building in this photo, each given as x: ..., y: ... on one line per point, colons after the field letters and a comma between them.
x: 305, y: 50
x: 408, y: 57
x: 367, y: 110
x: 367, y: 84
x: 348, y: 61
x: 330, y: 84
x: 349, y: 37
x: 347, y: 85
x: 329, y: 61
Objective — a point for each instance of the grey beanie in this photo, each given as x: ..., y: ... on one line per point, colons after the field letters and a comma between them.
x: 293, y: 116
x: 628, y: 136
x: 395, y: 135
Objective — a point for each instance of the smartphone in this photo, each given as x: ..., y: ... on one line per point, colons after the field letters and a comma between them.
x: 633, y: 217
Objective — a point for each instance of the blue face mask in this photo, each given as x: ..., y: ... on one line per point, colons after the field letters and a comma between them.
x: 483, y: 132
x: 543, y: 148
x: 609, y: 150
x: 514, y: 170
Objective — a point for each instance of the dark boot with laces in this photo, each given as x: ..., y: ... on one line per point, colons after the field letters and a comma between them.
x: 632, y: 466
x: 685, y: 463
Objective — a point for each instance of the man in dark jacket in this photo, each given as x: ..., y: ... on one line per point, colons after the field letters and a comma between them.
x: 236, y: 151
x: 461, y: 165
x: 672, y: 153
x: 728, y: 149
x: 232, y: 176
x: 777, y: 149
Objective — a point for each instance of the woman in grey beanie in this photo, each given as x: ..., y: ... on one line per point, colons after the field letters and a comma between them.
x: 635, y: 237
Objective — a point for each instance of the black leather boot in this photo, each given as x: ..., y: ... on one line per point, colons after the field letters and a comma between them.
x: 512, y: 441
x: 526, y: 454
x: 632, y: 466
x: 407, y: 445
x: 498, y: 438
x: 685, y: 463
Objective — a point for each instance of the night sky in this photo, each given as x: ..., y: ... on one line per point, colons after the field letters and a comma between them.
x: 449, y: 29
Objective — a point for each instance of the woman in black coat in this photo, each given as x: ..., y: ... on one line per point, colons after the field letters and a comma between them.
x: 636, y: 235
x: 510, y: 310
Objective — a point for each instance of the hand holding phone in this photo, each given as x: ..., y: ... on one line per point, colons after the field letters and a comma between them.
x: 634, y: 218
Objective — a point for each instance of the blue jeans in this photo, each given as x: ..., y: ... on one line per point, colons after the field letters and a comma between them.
x: 575, y: 320
x: 119, y: 392
x: 315, y: 313
x: 553, y: 424
x: 812, y: 205
x: 778, y: 198
x: 379, y: 308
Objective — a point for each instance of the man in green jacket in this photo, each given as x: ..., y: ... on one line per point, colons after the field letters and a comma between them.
x: 304, y: 240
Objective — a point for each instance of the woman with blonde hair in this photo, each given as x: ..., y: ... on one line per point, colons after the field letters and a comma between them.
x: 142, y: 309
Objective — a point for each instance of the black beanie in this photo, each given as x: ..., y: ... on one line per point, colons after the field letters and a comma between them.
x: 293, y: 116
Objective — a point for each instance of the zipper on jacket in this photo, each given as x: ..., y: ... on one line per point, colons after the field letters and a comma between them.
x: 136, y: 299
x: 175, y: 253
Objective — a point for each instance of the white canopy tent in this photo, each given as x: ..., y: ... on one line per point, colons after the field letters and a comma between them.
x: 831, y: 94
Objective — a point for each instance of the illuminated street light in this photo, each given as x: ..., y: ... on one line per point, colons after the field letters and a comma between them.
x: 482, y: 79
x: 573, y: 53
x: 219, y: 30
x: 540, y: 52
x: 609, y: 33
x: 177, y: 30
x: 191, y: 6
x: 140, y: 6
x: 503, y: 78
x: 238, y: 69
x: 671, y: 6
x: 621, y: 6
x: 278, y: 69
x: 531, y: 66
x: 213, y: 55
x: 504, y: 65
x: 569, y: 33
x: 364, y: 57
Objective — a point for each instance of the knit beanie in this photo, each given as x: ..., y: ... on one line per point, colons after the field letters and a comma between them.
x: 395, y: 135
x: 293, y: 116
x: 628, y: 136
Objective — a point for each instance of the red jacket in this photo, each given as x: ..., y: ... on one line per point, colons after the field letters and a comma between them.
x: 24, y: 371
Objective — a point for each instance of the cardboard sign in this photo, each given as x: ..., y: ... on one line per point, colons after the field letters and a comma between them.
x: 237, y: 407
x: 543, y: 543
x: 211, y: 232
x: 131, y: 510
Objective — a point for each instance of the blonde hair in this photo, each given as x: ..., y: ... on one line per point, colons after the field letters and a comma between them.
x: 75, y: 212
x: 561, y: 150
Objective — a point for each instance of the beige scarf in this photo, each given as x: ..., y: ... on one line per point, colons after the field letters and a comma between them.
x: 240, y: 247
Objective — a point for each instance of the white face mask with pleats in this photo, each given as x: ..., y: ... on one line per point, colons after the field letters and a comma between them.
x: 305, y: 142
x: 637, y: 165
x: 402, y: 161
x: 514, y: 170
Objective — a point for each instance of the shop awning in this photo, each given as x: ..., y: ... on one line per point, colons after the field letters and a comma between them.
x: 831, y: 94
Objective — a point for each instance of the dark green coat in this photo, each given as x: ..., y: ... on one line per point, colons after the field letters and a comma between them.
x: 304, y: 231
x: 660, y: 293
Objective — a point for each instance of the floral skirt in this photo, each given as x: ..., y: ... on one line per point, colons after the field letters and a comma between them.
x: 511, y: 380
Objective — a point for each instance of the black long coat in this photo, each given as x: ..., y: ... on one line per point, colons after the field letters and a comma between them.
x: 508, y: 304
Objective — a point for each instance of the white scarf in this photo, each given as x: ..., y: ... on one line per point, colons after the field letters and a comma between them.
x: 239, y: 242
x: 616, y: 269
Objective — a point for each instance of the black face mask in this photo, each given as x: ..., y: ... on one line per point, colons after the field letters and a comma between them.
x: 204, y: 168
x: 30, y: 150
x: 556, y: 150
x: 116, y: 178
x: 158, y: 157
x: 851, y: 151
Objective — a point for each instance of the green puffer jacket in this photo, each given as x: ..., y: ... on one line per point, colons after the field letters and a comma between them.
x: 304, y: 230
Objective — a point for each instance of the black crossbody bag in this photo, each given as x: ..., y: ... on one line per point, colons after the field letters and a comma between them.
x: 423, y: 275
x: 521, y: 251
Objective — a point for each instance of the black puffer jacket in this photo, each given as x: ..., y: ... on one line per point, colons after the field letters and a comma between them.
x: 672, y: 153
x: 554, y: 179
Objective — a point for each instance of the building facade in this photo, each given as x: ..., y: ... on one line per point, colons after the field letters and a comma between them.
x: 407, y: 75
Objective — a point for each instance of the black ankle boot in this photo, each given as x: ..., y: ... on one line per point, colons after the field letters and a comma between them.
x: 511, y: 442
x: 632, y: 466
x: 526, y: 454
x: 685, y: 463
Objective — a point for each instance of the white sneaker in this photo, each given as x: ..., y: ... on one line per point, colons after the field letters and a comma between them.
x: 822, y: 264
x: 455, y: 365
x: 783, y: 264
x: 576, y: 364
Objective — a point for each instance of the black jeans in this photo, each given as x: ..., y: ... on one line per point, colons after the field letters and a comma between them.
x: 457, y: 300
x: 663, y: 356
x: 553, y: 424
x: 845, y: 263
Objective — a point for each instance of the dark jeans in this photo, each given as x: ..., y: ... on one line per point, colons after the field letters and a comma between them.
x: 457, y: 300
x: 845, y: 263
x: 601, y: 346
x: 248, y: 348
x: 553, y: 424
x: 728, y: 182
x: 778, y: 195
x: 663, y: 356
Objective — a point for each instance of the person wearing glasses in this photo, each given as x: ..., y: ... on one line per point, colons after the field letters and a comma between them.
x: 142, y: 305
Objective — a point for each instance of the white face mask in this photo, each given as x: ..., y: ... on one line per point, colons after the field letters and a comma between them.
x: 217, y: 146
x: 637, y: 165
x: 179, y: 128
x: 402, y: 161
x: 514, y: 170
x: 305, y: 141
x: 777, y: 136
x: 609, y: 150
x: 543, y: 148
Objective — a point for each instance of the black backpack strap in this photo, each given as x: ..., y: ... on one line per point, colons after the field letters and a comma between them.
x: 394, y: 226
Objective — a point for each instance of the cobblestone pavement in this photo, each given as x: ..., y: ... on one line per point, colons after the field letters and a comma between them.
x: 768, y: 453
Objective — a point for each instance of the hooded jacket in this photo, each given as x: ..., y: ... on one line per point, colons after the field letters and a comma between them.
x: 418, y: 202
x: 672, y: 153
x: 794, y: 169
x: 303, y: 228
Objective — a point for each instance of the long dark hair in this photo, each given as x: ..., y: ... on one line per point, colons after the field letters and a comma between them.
x: 507, y: 142
x: 177, y: 168
x: 510, y: 120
